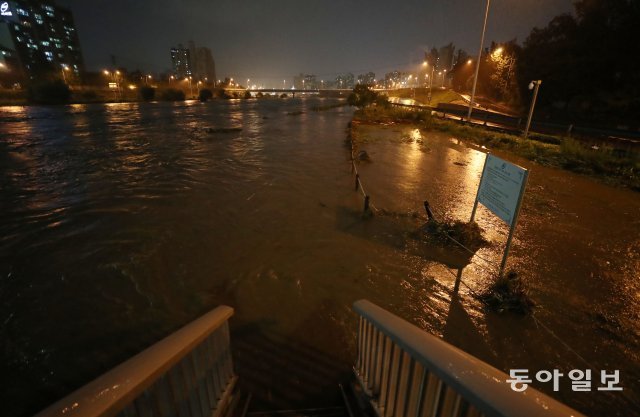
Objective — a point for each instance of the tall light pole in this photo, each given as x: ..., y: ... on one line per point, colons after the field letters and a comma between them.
x: 535, y: 86
x: 190, y: 87
x: 475, y: 78
x: 64, y: 76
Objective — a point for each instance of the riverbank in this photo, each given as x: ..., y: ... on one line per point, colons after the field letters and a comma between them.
x: 552, y: 151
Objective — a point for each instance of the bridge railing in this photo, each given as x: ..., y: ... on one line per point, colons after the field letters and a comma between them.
x: 407, y: 372
x: 187, y: 374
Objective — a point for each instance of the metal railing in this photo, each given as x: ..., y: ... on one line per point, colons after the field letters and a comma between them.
x: 187, y: 374
x: 407, y: 372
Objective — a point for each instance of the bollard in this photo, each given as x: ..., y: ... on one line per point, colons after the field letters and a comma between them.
x: 428, y: 209
x: 357, y: 181
x: 366, y: 203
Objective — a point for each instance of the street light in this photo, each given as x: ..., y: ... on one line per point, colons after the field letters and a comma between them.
x: 535, y: 86
x: 475, y: 78
x: 64, y: 68
x: 190, y: 87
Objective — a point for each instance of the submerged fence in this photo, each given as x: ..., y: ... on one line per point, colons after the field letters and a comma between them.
x: 358, y: 182
x: 187, y: 374
x: 407, y: 372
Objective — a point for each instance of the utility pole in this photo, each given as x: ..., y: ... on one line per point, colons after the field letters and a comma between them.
x: 535, y: 86
x: 475, y: 78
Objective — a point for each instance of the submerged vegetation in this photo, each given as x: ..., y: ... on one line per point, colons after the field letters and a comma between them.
x: 554, y: 151
x: 449, y: 232
x: 508, y: 293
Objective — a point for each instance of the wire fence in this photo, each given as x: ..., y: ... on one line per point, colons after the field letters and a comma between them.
x: 367, y: 206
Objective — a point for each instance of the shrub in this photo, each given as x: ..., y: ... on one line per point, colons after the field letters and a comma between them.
x: 49, y: 92
x: 205, y: 94
x: 147, y: 93
x: 247, y: 94
x: 508, y: 293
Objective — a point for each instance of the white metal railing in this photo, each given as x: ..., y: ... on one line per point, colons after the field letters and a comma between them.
x: 407, y: 372
x: 187, y: 374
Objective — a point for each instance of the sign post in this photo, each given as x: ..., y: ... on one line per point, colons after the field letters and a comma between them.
x: 501, y: 190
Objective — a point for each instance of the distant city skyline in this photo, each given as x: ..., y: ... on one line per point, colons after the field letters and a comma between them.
x: 272, y: 42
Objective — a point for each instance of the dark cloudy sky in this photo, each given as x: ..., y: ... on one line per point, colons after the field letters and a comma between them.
x: 270, y: 40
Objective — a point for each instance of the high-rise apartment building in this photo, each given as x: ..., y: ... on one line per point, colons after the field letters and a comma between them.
x: 196, y: 62
x: 38, y: 38
x: 181, y: 61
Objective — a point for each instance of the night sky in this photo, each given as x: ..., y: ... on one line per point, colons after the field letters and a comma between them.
x: 272, y: 40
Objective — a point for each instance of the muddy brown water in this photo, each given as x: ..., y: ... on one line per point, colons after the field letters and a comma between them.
x: 123, y: 222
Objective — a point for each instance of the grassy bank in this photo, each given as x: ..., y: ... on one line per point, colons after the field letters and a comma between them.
x: 553, y: 151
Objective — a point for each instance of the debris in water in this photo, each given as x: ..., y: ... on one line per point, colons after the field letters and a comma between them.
x: 508, y: 293
x: 363, y: 156
x: 445, y: 232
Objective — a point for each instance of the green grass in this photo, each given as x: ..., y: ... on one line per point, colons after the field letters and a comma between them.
x: 547, y: 150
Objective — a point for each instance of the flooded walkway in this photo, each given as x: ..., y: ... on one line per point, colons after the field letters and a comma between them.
x: 577, y: 246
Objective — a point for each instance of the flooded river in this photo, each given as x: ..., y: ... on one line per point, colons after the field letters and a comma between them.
x: 122, y: 222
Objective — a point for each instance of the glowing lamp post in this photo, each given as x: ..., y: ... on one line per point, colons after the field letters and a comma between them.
x: 64, y: 69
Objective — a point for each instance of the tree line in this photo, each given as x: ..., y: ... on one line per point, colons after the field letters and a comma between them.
x: 589, y: 63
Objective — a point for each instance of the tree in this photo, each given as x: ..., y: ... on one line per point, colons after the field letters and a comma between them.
x: 362, y: 96
x: 501, y: 67
x: 205, y: 94
x: 588, y: 62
